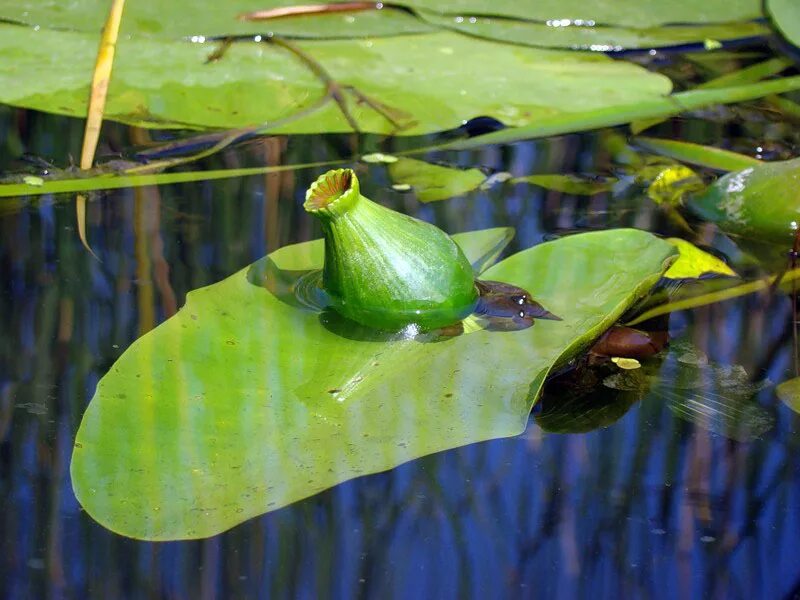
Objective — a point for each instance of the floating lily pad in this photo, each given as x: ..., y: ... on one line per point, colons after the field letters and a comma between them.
x: 631, y: 13
x: 671, y: 183
x: 596, y: 38
x: 246, y: 401
x: 422, y: 82
x: 658, y: 108
x: 785, y: 15
x: 176, y: 19
x: 184, y: 19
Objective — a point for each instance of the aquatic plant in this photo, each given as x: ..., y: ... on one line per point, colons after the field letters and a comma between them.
x: 384, y: 269
x: 244, y: 402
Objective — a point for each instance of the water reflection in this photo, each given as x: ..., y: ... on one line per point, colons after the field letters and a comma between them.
x: 650, y: 506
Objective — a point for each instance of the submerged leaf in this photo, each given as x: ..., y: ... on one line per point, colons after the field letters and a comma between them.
x: 245, y: 401
x: 432, y: 182
x: 33, y: 180
x: 717, y: 398
x: 789, y: 393
x: 673, y: 184
x: 570, y: 184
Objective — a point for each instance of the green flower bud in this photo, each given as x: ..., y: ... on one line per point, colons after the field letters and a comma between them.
x: 384, y: 269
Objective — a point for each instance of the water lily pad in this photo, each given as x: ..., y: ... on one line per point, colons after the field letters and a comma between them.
x: 631, y: 13
x: 596, y: 38
x: 177, y: 19
x: 785, y: 15
x: 657, y: 108
x: 185, y: 19
x: 245, y: 401
x: 422, y: 82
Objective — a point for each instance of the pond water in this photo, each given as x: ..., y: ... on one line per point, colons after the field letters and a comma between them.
x: 665, y: 499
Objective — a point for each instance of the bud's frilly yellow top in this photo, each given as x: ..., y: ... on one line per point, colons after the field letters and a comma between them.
x: 384, y: 269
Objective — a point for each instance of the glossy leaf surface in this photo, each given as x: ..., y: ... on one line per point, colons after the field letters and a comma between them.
x: 785, y: 14
x: 246, y: 400
x: 421, y: 82
x: 715, y: 397
x: 760, y: 203
x: 595, y: 38
x: 633, y: 13
x: 177, y: 19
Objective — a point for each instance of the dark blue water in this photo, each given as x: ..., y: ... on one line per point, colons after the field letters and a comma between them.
x: 652, y: 506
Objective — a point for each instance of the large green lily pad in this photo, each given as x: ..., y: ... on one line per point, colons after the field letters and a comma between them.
x: 176, y: 19
x: 245, y: 401
x: 631, y: 13
x: 422, y: 81
x: 595, y: 38
x: 180, y: 18
x: 785, y: 15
